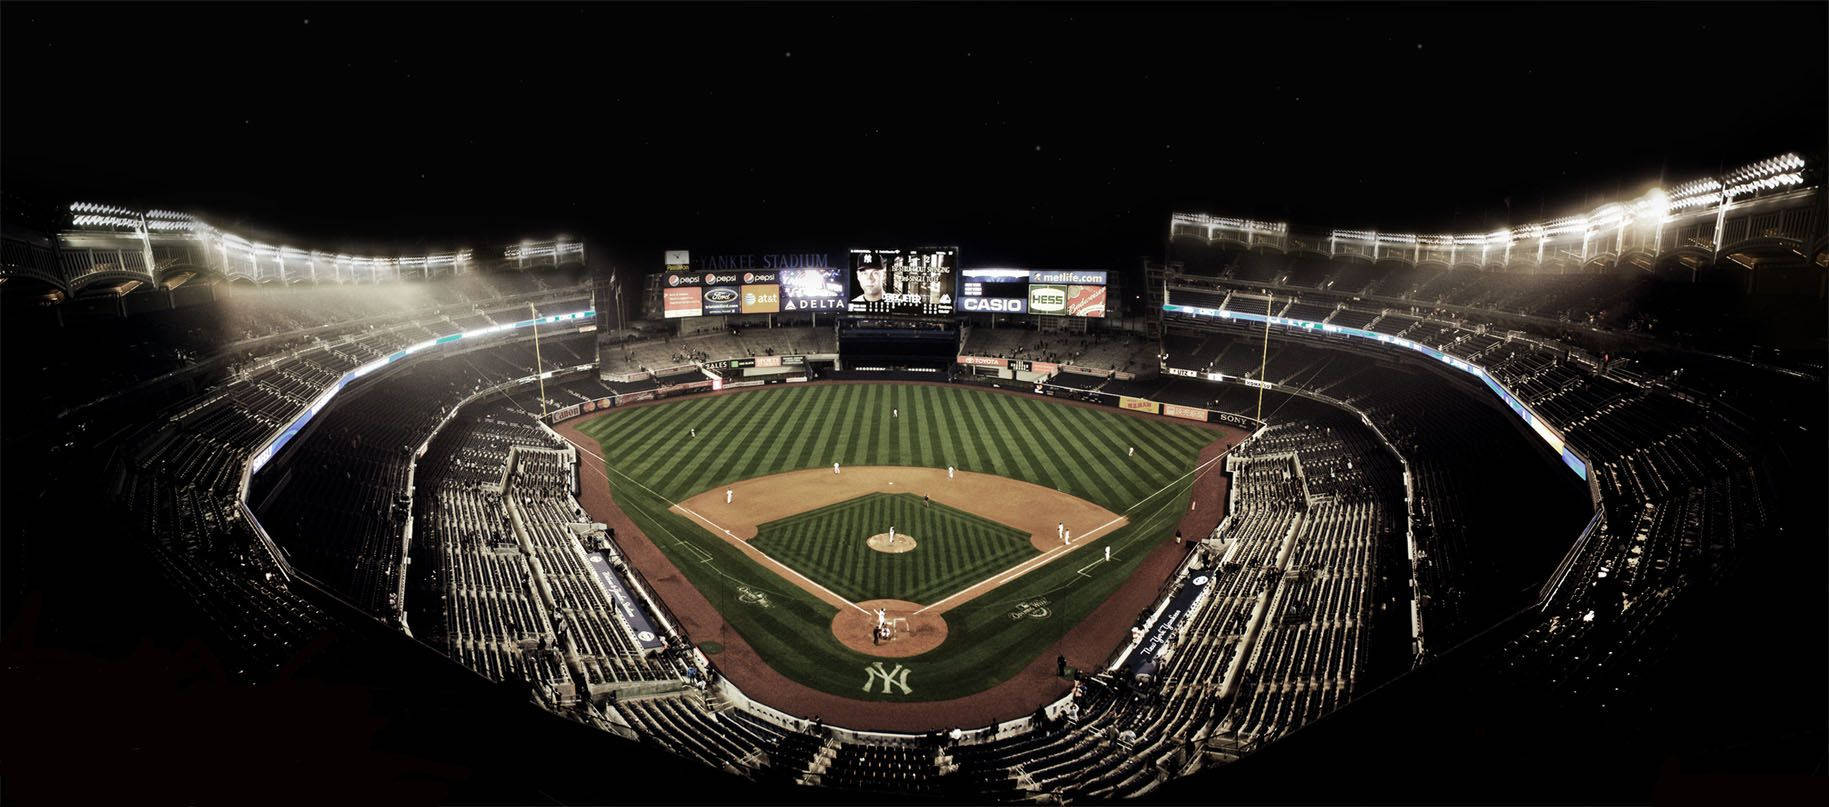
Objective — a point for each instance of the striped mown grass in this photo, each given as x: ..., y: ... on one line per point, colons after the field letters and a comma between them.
x: 1081, y: 451
x: 953, y: 548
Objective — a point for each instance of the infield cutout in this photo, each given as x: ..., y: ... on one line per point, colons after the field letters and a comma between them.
x: 880, y: 542
x: 910, y: 634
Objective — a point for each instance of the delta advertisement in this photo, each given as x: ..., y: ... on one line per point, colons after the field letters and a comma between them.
x: 816, y: 289
x: 903, y: 281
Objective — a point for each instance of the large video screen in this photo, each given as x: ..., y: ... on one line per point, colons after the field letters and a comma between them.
x: 903, y: 281
x: 814, y: 290
x: 1044, y: 292
x: 994, y: 291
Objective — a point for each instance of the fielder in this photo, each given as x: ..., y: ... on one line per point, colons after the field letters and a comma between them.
x: 1108, y: 554
x: 895, y: 412
x: 1133, y: 452
x: 949, y: 472
x: 695, y: 431
x: 1067, y: 537
x: 728, y: 495
x: 834, y: 469
x: 1060, y: 530
x: 892, y: 535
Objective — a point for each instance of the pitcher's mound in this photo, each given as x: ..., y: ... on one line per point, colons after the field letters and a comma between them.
x: 903, y: 543
x: 910, y: 635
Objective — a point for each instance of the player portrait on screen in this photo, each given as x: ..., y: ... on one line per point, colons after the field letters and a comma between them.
x: 872, y: 276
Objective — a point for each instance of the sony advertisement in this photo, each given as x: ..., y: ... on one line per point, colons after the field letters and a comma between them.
x: 903, y: 281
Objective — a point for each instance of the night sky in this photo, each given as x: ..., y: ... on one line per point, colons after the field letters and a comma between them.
x: 1031, y: 134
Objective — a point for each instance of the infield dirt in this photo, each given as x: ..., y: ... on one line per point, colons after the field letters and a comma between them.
x: 1085, y: 646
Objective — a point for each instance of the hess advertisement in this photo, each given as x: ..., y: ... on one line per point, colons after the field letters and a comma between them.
x: 1055, y: 300
x: 1050, y: 293
x: 903, y: 281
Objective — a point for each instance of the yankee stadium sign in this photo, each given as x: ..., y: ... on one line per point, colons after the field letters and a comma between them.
x: 763, y: 263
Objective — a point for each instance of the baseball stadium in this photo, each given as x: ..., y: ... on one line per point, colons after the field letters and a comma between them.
x: 1281, y: 508
x: 889, y: 546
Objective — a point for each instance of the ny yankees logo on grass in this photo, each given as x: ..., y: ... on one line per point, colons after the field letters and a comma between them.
x: 897, y: 677
x: 752, y: 596
x: 1031, y: 609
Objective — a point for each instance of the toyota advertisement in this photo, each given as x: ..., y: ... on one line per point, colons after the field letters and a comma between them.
x: 903, y: 281
x: 1051, y: 293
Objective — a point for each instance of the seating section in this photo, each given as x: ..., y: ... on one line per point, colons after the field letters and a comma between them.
x: 179, y: 472
x: 1438, y: 496
x: 1123, y: 352
x: 339, y: 506
x: 650, y: 354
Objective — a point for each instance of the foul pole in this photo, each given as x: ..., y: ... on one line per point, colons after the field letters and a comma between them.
x: 541, y: 375
x: 1263, y: 360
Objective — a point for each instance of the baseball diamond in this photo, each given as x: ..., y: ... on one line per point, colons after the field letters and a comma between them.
x: 957, y: 548
x: 812, y: 564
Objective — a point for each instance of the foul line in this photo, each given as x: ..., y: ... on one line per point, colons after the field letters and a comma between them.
x: 741, y: 545
x: 1047, y: 557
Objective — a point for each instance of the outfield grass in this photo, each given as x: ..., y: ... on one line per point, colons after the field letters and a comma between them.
x: 1078, y: 450
x: 954, y: 549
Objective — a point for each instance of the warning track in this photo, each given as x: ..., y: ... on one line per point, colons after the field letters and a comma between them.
x: 1086, y: 644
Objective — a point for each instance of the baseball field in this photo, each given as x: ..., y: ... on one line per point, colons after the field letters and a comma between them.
x: 739, y: 492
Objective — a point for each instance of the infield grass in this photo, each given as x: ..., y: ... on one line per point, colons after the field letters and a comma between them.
x: 1078, y: 450
x: 954, y: 549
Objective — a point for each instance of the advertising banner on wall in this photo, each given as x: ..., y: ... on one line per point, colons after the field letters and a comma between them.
x: 1138, y: 404
x: 721, y: 300
x: 1044, y: 367
x: 984, y: 361
x: 1074, y: 277
x: 683, y: 302
x: 903, y: 281
x: 1047, y: 300
x: 1085, y: 301
x: 753, y: 283
x: 761, y: 299
x: 1061, y: 300
x: 1189, y: 412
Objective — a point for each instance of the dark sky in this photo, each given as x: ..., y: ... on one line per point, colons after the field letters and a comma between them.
x: 1037, y: 134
